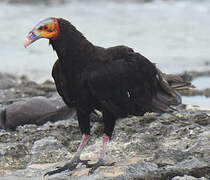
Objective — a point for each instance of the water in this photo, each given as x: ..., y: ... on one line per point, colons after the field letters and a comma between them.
x: 202, y: 101
x: 173, y: 34
x: 202, y: 82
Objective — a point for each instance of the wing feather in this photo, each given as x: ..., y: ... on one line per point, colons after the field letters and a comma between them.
x: 124, y: 86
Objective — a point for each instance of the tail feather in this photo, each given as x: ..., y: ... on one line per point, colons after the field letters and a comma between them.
x: 158, y: 106
x: 184, y: 86
x: 167, y: 95
x: 176, y: 82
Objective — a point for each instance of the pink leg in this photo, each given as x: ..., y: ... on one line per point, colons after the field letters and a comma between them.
x: 101, y: 161
x: 85, y: 139
x: 75, y: 160
x: 105, y: 141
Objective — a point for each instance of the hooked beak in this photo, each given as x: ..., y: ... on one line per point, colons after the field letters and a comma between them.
x: 30, y: 38
x: 27, y: 42
x: 47, y: 28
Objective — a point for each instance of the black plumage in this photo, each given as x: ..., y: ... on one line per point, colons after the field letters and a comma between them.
x: 117, y: 81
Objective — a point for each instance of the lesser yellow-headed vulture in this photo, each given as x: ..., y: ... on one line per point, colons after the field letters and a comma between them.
x: 116, y: 81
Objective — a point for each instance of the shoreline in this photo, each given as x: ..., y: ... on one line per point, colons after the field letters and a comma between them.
x: 8, y: 81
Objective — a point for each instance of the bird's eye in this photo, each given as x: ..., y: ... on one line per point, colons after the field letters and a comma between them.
x: 41, y: 27
x: 45, y: 27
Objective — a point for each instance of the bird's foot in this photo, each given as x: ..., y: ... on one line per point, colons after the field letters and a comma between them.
x: 101, y: 162
x: 69, y: 166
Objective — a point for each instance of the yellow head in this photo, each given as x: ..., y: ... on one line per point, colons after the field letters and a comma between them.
x: 47, y: 28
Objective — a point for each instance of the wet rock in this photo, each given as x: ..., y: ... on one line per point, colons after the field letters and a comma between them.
x: 194, y: 74
x: 196, y: 92
x: 207, y: 92
x: 191, y: 75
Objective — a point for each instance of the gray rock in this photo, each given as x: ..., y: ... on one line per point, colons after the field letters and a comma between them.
x: 185, y: 177
x: 48, y: 147
x: 13, y: 156
x: 37, y: 110
x: 28, y: 111
x: 152, y: 147
x: 46, y: 2
x: 7, y: 81
x: 22, y: 89
x: 149, y: 148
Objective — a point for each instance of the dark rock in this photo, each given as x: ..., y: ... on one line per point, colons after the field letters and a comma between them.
x: 196, y: 92
x: 37, y: 110
x: 207, y: 92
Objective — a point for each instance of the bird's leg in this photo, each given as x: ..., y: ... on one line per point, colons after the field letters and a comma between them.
x: 101, y: 161
x: 105, y: 141
x: 75, y: 160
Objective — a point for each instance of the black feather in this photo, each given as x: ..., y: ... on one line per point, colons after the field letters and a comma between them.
x: 117, y: 81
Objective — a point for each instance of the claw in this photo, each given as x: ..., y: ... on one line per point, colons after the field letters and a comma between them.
x: 96, y: 165
x: 58, y: 170
x: 69, y: 166
x: 84, y: 162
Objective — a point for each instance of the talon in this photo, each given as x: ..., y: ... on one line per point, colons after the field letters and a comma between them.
x: 74, y: 161
x: 97, y: 165
x: 52, y: 172
x: 69, y: 166
x: 85, y: 162
x: 59, y: 169
x: 111, y: 164
x: 91, y: 171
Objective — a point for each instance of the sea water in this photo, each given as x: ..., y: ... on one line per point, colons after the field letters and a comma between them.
x: 173, y: 34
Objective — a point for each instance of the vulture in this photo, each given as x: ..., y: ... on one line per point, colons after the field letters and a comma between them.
x: 117, y: 81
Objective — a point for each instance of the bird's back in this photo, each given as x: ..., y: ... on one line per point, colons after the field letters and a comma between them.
x: 128, y: 83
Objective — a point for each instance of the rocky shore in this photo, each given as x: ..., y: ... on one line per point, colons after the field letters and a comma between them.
x: 154, y: 147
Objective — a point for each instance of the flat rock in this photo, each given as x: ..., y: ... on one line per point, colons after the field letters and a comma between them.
x: 47, y: 150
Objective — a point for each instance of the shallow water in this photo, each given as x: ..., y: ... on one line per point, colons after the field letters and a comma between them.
x: 202, y: 82
x: 200, y: 101
x: 173, y: 34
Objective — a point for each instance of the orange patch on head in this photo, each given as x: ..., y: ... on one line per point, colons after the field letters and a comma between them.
x: 48, y: 30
